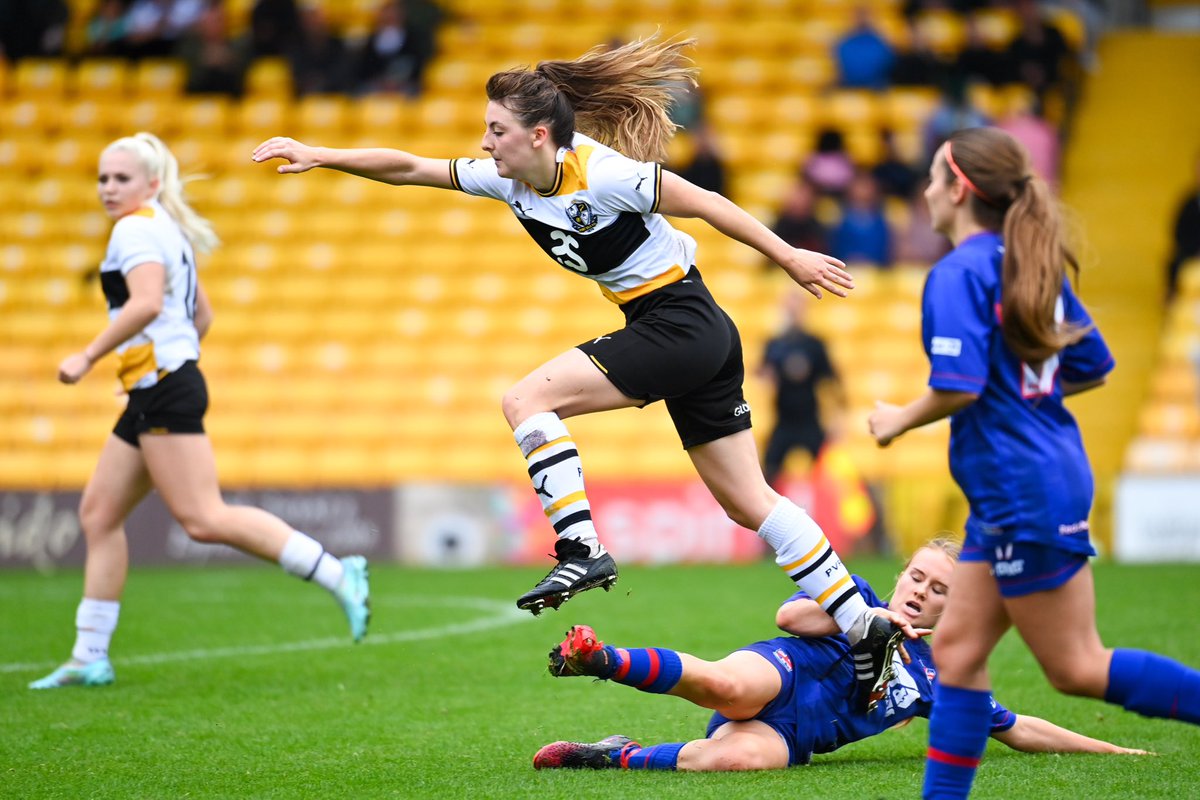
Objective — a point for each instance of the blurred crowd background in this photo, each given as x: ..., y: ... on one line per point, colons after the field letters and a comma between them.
x: 365, y: 334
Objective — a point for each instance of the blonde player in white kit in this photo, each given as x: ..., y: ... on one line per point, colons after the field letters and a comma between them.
x: 157, y: 315
x: 573, y: 147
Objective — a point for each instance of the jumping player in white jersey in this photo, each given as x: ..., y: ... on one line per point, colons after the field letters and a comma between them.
x: 157, y: 315
x: 779, y: 701
x: 574, y: 149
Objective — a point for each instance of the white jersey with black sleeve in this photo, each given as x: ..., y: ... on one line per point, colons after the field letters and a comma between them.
x: 151, y: 235
x: 600, y: 218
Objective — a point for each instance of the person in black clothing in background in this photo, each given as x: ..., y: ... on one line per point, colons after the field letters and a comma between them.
x: 796, y: 362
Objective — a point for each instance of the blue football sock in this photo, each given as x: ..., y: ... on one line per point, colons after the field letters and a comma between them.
x: 651, y: 669
x: 660, y: 756
x: 1154, y: 686
x: 958, y: 732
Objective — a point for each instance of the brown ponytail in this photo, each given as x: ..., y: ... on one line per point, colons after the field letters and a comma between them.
x: 620, y: 98
x: 1007, y: 198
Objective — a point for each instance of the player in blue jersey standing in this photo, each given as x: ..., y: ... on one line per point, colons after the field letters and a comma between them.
x: 779, y: 701
x: 1007, y: 340
x: 574, y: 148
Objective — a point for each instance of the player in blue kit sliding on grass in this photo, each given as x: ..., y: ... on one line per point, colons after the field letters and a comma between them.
x: 1007, y: 340
x: 779, y: 701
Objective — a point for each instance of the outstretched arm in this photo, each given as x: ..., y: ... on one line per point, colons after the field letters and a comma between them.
x: 804, y: 617
x: 813, y: 271
x: 379, y: 164
x: 1035, y: 735
x: 888, y: 421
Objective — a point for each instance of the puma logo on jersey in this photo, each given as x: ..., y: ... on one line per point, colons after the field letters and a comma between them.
x: 542, y: 489
x: 520, y: 208
x: 641, y: 180
x: 600, y: 338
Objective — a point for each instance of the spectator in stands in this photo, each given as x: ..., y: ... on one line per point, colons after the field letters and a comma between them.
x: 955, y: 113
x: 830, y: 169
x: 1025, y: 124
x: 155, y: 27
x: 916, y: 242
x: 216, y: 63
x: 797, y: 223
x: 576, y: 150
x: 896, y: 177
x: 1187, y: 235
x: 157, y: 315
x: 106, y: 29
x: 917, y: 64
x: 319, y: 57
x: 274, y: 26
x: 1038, y: 51
x: 31, y: 29
x: 393, y: 56
x: 796, y: 364
x: 863, y: 234
x: 978, y: 61
x: 864, y: 58
x: 707, y: 168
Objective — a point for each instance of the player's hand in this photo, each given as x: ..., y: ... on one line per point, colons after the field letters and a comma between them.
x: 902, y: 622
x: 816, y: 271
x: 300, y: 157
x: 1130, y: 751
x: 74, y: 367
x: 885, y: 423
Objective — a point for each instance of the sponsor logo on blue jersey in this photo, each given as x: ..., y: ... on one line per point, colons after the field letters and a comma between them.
x: 783, y: 658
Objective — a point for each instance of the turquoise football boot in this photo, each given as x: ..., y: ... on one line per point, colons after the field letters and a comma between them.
x: 354, y: 595
x: 73, y: 673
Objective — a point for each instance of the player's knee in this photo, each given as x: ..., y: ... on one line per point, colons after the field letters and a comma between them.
x: 514, y: 407
x: 1076, y: 677
x: 737, y: 756
x: 96, y: 517
x: 203, y: 525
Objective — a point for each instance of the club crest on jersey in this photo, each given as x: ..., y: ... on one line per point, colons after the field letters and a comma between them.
x: 783, y: 658
x: 583, y: 219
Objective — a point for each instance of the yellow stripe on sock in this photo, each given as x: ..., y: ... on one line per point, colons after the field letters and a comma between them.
x: 832, y: 589
x: 574, y: 497
x: 823, y: 544
x: 550, y: 443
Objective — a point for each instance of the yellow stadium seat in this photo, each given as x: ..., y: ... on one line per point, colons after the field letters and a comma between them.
x: 943, y: 30
x: 269, y: 78
x: 908, y: 108
x: 159, y: 78
x: 101, y: 79
x: 385, y: 117
x: 318, y: 117
x: 106, y: 117
x: 44, y: 78
x: 160, y: 117
x: 1150, y: 455
x: 263, y: 117
x: 852, y: 110
x: 1169, y: 420
x: 204, y: 116
x: 40, y: 115
x: 996, y: 26
x: 21, y: 154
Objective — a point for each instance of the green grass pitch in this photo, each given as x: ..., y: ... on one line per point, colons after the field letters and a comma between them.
x: 242, y: 682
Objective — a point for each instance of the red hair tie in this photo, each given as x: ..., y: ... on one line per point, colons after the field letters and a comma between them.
x: 962, y: 176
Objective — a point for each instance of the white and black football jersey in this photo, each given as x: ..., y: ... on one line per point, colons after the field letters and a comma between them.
x: 151, y: 235
x: 600, y: 218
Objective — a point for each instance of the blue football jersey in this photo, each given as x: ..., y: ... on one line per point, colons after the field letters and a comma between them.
x: 815, y: 711
x: 1016, y: 452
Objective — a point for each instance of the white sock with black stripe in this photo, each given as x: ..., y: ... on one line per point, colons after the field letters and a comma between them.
x: 557, y: 475
x: 304, y: 557
x: 803, y: 552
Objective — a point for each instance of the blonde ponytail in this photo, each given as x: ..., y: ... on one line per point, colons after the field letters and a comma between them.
x: 160, y: 163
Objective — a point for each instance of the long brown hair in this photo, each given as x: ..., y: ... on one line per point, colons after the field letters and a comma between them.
x: 619, y: 97
x: 1005, y: 196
